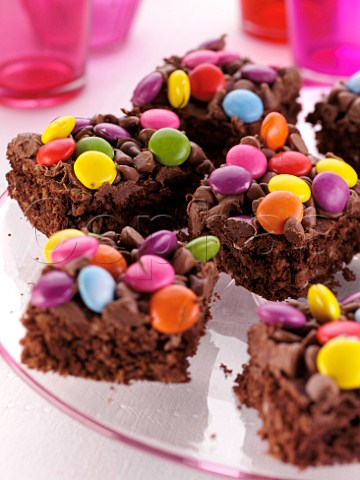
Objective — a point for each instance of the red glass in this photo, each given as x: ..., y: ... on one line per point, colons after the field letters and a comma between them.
x: 265, y: 19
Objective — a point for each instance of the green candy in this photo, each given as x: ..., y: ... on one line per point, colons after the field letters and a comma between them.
x: 204, y: 248
x: 96, y: 144
x: 170, y: 147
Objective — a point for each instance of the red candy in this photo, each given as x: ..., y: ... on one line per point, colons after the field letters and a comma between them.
x: 274, y: 130
x: 55, y: 151
x: 292, y: 163
x: 205, y: 80
x: 336, y: 329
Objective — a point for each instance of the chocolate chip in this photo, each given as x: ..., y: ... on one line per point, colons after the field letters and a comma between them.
x: 144, y: 136
x: 128, y: 173
x: 311, y: 354
x: 283, y: 336
x: 130, y: 238
x: 253, y: 141
x: 130, y: 148
x: 197, y: 155
x: 255, y: 192
x: 197, y: 285
x: 120, y: 158
x: 294, y: 231
x: 297, y: 143
x: 255, y: 205
x: 144, y: 162
x: 320, y: 387
x: 183, y: 261
x: 129, y: 122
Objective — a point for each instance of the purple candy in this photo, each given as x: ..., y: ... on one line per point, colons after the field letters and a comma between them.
x: 259, y: 73
x: 81, y: 122
x: 147, y: 89
x: 212, y: 44
x: 149, y: 273
x: 230, y: 180
x: 73, y: 248
x: 274, y: 313
x: 354, y: 297
x: 162, y: 243
x: 224, y: 56
x: 54, y: 288
x: 330, y: 191
x: 248, y: 157
x: 197, y: 57
x: 110, y: 131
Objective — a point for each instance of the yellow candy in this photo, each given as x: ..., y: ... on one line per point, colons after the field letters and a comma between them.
x: 179, y: 89
x: 323, y: 304
x: 341, y: 168
x: 60, y: 128
x: 339, y: 359
x: 59, y: 237
x: 290, y: 183
x: 93, y: 169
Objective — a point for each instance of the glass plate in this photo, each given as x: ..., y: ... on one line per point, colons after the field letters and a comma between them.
x: 198, y: 423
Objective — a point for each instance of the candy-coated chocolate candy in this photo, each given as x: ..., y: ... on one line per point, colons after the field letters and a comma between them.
x: 96, y: 287
x: 80, y: 122
x: 162, y: 243
x: 179, y: 89
x: 110, y: 132
x: 340, y: 360
x: 147, y: 89
x: 259, y: 73
x: 292, y: 163
x: 274, y: 130
x: 93, y: 169
x: 248, y: 157
x: 230, y: 180
x: 197, y: 57
x: 95, y: 144
x: 72, y: 248
x: 276, y: 208
x: 170, y: 147
x: 353, y: 297
x: 110, y: 259
x: 336, y: 329
x: 157, y: 118
x: 243, y: 104
x: 274, y: 313
x: 323, y: 303
x: 53, y: 288
x: 55, y: 151
x: 204, y: 248
x: 59, y: 237
x: 330, y: 191
x: 174, y: 309
x: 290, y: 183
x: 149, y: 273
x: 225, y: 56
x: 357, y: 315
x: 341, y: 168
x: 205, y: 81
x: 61, y: 127
x: 353, y: 83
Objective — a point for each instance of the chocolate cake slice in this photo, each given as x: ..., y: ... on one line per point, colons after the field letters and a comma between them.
x: 118, y: 307
x: 337, y: 121
x: 303, y: 378
x: 133, y: 187
x: 284, y: 219
x: 197, y: 86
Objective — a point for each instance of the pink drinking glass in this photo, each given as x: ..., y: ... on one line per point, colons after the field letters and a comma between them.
x: 43, y: 50
x: 325, y: 37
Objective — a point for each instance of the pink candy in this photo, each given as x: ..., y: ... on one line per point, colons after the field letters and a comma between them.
x: 224, y: 57
x: 149, y: 274
x: 73, y: 248
x: 193, y: 59
x: 248, y: 157
x: 157, y: 118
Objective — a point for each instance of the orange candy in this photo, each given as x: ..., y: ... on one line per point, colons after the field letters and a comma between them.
x: 276, y: 208
x: 109, y: 259
x: 174, y: 309
x: 274, y: 130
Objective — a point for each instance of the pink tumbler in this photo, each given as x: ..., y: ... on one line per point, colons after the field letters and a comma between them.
x: 325, y: 37
x: 43, y: 50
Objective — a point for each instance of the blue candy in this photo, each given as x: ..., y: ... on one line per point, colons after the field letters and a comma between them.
x: 353, y: 83
x: 357, y: 315
x: 96, y: 287
x: 244, y: 104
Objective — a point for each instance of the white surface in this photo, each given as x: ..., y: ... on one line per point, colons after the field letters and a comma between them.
x: 37, y: 441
